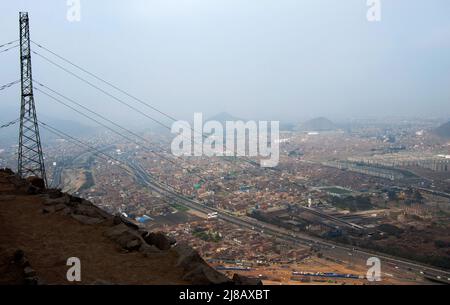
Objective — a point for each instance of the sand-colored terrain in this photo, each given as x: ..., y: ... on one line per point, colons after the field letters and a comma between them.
x: 49, y: 239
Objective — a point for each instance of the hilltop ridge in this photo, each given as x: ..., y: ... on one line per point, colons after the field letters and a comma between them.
x: 41, y: 228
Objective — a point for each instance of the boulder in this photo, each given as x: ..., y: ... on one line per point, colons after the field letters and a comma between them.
x: 18, y: 182
x: 7, y: 171
x: 36, y: 182
x: 130, y: 243
x: 148, y: 250
x: 239, y: 279
x: 60, y: 207
x: 74, y: 199
x: 31, y: 190
x: 116, y: 231
x: 67, y: 211
x: 87, y: 220
x: 187, y: 257
x: 158, y: 239
x: 205, y: 275
x: 142, y: 232
x: 48, y: 209
x: 83, y: 207
x: 54, y: 201
x: 119, y: 219
x: 104, y: 214
x: 124, y: 236
x: 55, y: 193
x: 87, y: 210
x: 196, y: 270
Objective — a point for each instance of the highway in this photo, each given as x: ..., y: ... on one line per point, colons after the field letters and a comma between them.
x: 434, y: 192
x: 335, y: 219
x: 391, y: 266
x: 69, y: 160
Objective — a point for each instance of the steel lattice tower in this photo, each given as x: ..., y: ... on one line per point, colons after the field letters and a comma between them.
x: 31, y: 160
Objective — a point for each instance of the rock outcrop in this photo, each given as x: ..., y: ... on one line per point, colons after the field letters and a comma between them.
x: 244, y: 280
x: 54, y: 226
x: 195, y: 268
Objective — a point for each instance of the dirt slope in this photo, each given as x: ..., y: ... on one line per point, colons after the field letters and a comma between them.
x: 50, y: 230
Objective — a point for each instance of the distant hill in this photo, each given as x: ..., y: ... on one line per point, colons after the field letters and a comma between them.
x: 223, y: 117
x: 443, y: 130
x: 285, y: 126
x: 318, y: 124
x: 10, y: 135
x: 70, y: 127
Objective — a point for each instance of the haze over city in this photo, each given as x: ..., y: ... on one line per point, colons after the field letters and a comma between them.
x: 285, y: 60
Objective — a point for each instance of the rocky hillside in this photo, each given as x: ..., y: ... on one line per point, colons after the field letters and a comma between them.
x: 41, y: 228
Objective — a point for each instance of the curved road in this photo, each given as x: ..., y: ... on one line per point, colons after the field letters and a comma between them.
x: 397, y: 267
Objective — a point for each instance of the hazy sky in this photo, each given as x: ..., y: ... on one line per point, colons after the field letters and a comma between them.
x: 272, y: 59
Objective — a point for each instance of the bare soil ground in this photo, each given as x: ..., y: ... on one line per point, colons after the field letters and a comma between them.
x: 48, y: 240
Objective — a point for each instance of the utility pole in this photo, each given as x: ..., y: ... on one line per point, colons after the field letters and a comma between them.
x: 30, y: 159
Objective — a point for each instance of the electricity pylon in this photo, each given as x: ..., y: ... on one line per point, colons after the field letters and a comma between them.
x: 31, y: 160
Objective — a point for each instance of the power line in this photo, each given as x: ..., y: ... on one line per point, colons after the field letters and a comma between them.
x: 103, y: 91
x: 243, y: 158
x: 122, y: 101
x: 96, y: 151
x: 117, y: 125
x: 106, y: 82
x: 111, y: 122
x: 8, y: 43
x: 9, y: 84
x: 10, y: 123
x: 110, y: 95
x: 109, y: 128
x: 115, y: 131
x: 117, y: 88
x: 109, y: 84
x: 10, y: 48
x: 76, y: 141
x: 89, y: 110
